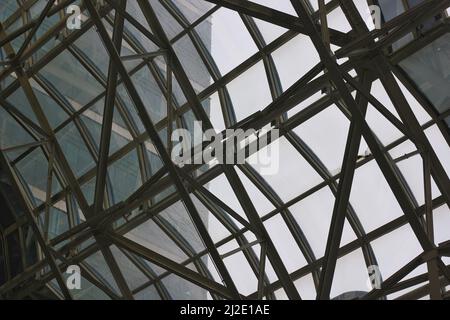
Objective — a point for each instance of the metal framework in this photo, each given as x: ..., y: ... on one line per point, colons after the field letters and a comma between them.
x: 350, y: 63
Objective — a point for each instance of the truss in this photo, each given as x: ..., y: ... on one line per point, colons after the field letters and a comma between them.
x: 99, y: 222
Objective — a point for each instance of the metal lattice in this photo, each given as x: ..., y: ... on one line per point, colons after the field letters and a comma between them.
x: 147, y: 67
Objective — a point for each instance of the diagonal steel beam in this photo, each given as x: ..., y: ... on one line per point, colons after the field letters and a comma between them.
x: 343, y: 195
x: 108, y: 113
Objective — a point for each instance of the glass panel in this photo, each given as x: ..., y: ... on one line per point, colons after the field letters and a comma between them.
x: 151, y: 94
x: 292, y: 170
x: 150, y: 235
x: 372, y: 198
x: 59, y: 222
x: 351, y: 275
x: 170, y: 25
x: 259, y: 200
x: 11, y: 133
x: 269, y: 31
x: 280, y: 5
x: 391, y: 8
x: 101, y: 270
x: 326, y: 134
x: 228, y: 36
x: 149, y: 293
x: 298, y: 49
x: 70, y: 78
x: 305, y: 287
x: 243, y: 277
x: 33, y: 170
x: 178, y: 218
x: 255, y: 97
x: 284, y: 243
x: 7, y: 8
x: 429, y: 69
x: 181, y: 289
x: 412, y: 169
x: 124, y: 176
x: 133, y: 276
x: 75, y: 150
x: 196, y: 71
x: 440, y: 146
x: 19, y: 100
x: 314, y: 217
x: 395, y: 250
x: 192, y: 9
x: 441, y: 218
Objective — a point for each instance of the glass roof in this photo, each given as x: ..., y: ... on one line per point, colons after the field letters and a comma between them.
x: 91, y: 93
